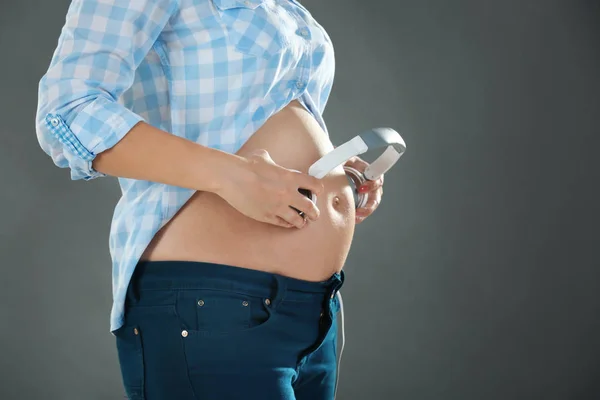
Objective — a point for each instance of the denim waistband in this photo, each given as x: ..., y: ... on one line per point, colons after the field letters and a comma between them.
x: 190, y: 275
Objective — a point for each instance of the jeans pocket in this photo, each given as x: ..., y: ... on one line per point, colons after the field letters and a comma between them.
x: 223, y: 333
x: 131, y: 360
x: 214, y: 313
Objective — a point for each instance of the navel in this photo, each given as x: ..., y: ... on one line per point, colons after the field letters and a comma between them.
x: 340, y: 204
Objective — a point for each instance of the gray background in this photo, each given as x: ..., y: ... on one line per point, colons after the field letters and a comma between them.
x: 478, y: 277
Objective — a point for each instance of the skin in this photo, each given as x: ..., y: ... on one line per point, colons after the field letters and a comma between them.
x: 374, y: 190
x: 245, y: 198
x: 205, y: 227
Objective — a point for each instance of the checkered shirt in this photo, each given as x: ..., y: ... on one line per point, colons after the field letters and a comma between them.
x: 211, y: 71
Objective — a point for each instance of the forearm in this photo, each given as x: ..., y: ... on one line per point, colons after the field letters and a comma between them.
x: 148, y: 153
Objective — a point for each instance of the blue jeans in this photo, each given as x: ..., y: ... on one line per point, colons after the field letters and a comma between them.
x: 203, y: 331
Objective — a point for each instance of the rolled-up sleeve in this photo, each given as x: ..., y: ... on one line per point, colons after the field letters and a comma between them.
x: 100, y: 46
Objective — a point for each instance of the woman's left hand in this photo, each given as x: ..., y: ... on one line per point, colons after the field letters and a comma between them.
x: 373, y: 188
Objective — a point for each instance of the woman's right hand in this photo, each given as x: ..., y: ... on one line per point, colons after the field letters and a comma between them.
x: 266, y: 192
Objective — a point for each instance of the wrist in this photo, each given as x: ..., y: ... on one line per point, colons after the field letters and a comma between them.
x: 229, y: 170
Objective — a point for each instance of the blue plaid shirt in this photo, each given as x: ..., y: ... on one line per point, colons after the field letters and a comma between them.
x: 211, y: 71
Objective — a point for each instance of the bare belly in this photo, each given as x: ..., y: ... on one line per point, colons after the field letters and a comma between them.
x: 208, y: 229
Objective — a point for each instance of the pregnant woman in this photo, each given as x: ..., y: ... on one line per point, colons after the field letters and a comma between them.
x: 209, y: 112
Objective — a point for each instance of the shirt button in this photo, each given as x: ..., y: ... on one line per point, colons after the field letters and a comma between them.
x: 299, y: 84
x: 248, y: 3
x: 302, y: 32
x: 54, y: 121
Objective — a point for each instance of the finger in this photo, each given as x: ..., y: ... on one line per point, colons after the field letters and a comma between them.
x: 305, y: 181
x: 277, y: 221
x: 372, y: 203
x: 371, y: 186
x: 304, y: 204
x: 358, y: 163
x: 366, y: 211
x: 291, y: 216
x: 373, y: 200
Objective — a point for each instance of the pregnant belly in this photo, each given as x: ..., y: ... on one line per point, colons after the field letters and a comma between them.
x: 208, y: 229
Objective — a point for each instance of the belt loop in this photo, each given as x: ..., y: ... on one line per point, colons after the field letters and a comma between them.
x: 339, y: 282
x: 280, y: 291
x: 132, y: 294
